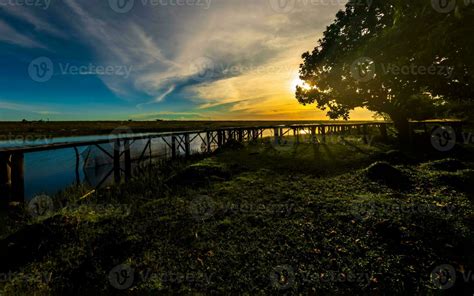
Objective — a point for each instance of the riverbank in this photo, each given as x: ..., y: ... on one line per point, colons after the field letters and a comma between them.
x: 257, y: 219
x: 47, y: 130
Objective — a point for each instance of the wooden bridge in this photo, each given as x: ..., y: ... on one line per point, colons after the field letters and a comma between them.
x: 12, y: 184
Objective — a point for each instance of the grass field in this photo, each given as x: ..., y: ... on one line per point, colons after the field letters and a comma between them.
x: 259, y: 219
x: 81, y: 128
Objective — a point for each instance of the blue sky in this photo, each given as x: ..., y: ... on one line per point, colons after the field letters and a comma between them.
x: 149, y: 59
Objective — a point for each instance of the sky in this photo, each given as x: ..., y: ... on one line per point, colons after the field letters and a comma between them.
x: 158, y: 59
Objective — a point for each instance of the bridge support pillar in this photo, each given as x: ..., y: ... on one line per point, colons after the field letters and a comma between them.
x: 187, y: 145
x: 18, y: 177
x: 383, y: 131
x: 5, y: 178
x: 117, y: 174
x: 128, y: 160
x: 208, y: 141
x: 365, y: 134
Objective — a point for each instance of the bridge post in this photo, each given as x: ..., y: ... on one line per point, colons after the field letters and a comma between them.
x: 78, y: 160
x: 313, y: 134
x: 277, y: 135
x: 174, y: 153
x: 187, y: 145
x: 117, y: 161
x: 241, y: 136
x: 128, y: 160
x: 383, y: 131
x: 208, y: 140
x: 5, y: 178
x: 365, y: 134
x: 17, y: 176
x: 219, y: 139
x: 323, y: 133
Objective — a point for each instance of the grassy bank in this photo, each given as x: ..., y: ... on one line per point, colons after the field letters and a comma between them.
x: 259, y: 219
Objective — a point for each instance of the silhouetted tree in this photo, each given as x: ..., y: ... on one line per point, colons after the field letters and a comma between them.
x: 401, y: 59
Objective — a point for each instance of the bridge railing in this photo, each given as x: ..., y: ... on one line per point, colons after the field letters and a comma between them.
x: 118, y: 150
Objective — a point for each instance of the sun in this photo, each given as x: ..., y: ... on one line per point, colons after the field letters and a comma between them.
x: 298, y: 82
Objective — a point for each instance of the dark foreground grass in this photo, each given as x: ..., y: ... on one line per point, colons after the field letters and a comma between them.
x: 256, y: 220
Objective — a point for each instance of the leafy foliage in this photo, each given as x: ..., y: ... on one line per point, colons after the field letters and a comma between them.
x: 399, y: 58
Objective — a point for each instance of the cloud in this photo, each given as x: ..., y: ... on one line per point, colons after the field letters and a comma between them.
x: 237, y: 57
x: 28, y: 15
x: 12, y: 36
x: 37, y: 109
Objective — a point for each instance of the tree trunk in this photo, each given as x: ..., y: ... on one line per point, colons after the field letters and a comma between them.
x: 403, y: 127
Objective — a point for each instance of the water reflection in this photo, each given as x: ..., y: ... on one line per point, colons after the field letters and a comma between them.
x: 48, y: 172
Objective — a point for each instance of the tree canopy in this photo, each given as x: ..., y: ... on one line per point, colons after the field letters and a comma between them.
x: 402, y: 59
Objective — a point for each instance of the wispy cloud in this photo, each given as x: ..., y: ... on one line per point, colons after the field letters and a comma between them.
x: 40, y: 24
x: 12, y: 36
x: 237, y: 57
x: 37, y: 109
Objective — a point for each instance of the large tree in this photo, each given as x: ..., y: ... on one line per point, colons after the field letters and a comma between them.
x: 402, y: 59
